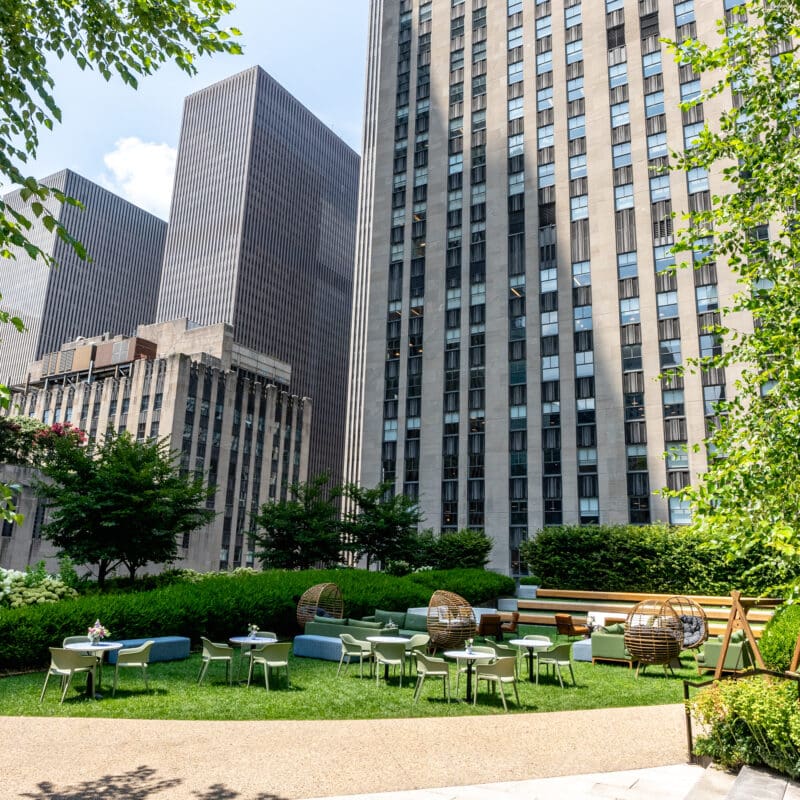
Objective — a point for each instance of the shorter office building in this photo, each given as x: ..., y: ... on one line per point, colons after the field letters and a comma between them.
x: 225, y: 408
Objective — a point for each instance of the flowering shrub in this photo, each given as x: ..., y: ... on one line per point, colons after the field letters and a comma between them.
x: 32, y: 587
x: 750, y: 721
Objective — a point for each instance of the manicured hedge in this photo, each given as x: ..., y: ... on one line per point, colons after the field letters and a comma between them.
x: 651, y: 558
x: 779, y: 638
x: 219, y: 607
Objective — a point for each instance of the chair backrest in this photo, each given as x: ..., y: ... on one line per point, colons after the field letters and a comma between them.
x: 352, y: 645
x: 214, y: 650
x: 267, y: 635
x: 274, y: 653
x: 503, y: 651
x: 390, y: 651
x: 501, y: 667
x: 135, y: 655
x: 564, y: 624
x: 418, y: 640
x: 489, y: 625
x: 511, y: 626
x: 64, y: 659
x: 559, y: 652
x: 76, y: 640
x: 532, y: 637
x: 429, y: 664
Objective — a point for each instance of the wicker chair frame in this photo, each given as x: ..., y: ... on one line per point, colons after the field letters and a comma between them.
x: 451, y: 620
x: 693, y: 621
x: 654, y: 633
x: 323, y: 599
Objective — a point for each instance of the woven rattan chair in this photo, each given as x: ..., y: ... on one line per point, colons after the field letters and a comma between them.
x: 322, y: 600
x: 451, y: 620
x: 654, y: 634
x: 428, y: 667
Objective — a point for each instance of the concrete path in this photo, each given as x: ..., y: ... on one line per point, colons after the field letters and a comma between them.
x: 81, y: 759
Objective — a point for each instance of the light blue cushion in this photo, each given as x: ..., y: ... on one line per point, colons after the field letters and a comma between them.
x: 165, y: 648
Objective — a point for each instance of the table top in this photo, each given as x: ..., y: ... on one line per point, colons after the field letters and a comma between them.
x: 539, y: 641
x: 93, y: 647
x: 465, y: 654
x: 252, y: 640
x: 387, y: 639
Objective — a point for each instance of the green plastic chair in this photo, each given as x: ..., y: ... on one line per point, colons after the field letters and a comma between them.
x: 389, y: 654
x: 418, y: 641
x: 478, y: 648
x: 428, y: 667
x: 65, y: 664
x: 556, y: 657
x: 133, y: 657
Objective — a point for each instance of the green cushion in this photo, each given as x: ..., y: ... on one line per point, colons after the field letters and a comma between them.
x: 330, y: 620
x: 362, y: 623
x: 416, y: 622
x: 617, y: 627
x: 397, y: 617
x: 736, y: 636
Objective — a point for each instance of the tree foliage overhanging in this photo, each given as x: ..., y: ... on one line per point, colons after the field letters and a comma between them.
x: 750, y: 494
x: 117, y: 38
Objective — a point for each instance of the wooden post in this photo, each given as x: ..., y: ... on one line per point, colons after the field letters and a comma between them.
x: 737, y: 620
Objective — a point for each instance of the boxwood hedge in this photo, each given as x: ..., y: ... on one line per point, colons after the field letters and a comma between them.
x: 221, y: 606
x: 647, y: 558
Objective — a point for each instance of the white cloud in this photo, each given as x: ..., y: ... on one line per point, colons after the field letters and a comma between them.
x: 141, y: 172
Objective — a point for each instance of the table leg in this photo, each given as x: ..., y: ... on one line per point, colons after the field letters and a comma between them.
x: 530, y: 665
x: 469, y: 681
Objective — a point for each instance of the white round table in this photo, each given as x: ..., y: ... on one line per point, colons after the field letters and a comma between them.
x: 532, y: 645
x: 247, y: 643
x: 470, y: 657
x: 386, y: 640
x: 98, y: 650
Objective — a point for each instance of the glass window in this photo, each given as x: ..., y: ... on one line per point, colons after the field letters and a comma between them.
x: 690, y: 90
x: 548, y: 280
x: 515, y: 72
x: 455, y: 163
x: 622, y: 154
x: 659, y: 188
x: 657, y: 145
x: 651, y: 64
x: 679, y: 511
x: 667, y: 303
x: 575, y: 89
x: 711, y: 396
x: 618, y: 75
x: 544, y: 98
x: 516, y: 145
x: 514, y: 7
x: 629, y: 310
x: 544, y: 27
x: 516, y: 183
x: 620, y: 114
x: 623, y: 196
x: 697, y: 180
x: 576, y: 127
x: 582, y: 318
x: 663, y: 257
x: 547, y: 174
x: 478, y: 51
x: 515, y: 37
x: 710, y: 345
x: 544, y: 136
x: 690, y: 134
x: 572, y: 16
x: 677, y: 457
x: 550, y: 368
x: 684, y: 13
x: 707, y: 299
x: 614, y: 5
x: 627, y: 265
x: 653, y: 104
x: 574, y: 51
x: 673, y: 403
x: 669, y: 351
x: 577, y: 167
x: 631, y: 357
x: 515, y: 108
x: 544, y: 62
x: 550, y: 323
x: 579, y: 207
x: 637, y: 457
x: 584, y: 364
x: 581, y: 273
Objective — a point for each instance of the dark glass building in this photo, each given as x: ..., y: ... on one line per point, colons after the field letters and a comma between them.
x: 262, y: 236
x: 114, y: 291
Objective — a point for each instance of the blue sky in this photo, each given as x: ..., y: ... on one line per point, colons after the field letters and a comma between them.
x: 126, y: 139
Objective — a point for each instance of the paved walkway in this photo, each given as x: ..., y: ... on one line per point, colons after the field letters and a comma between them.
x: 82, y: 759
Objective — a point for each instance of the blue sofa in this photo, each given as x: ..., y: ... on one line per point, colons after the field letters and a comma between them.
x: 165, y: 648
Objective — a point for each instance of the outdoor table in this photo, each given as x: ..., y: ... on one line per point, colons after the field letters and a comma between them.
x: 98, y: 650
x: 469, y: 656
x: 386, y: 640
x: 539, y: 643
x: 248, y: 643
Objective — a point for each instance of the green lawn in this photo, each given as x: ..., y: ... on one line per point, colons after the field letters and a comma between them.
x: 316, y: 693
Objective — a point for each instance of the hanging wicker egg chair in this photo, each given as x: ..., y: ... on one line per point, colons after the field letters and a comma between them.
x: 693, y: 621
x: 322, y: 600
x: 653, y: 633
x: 451, y: 620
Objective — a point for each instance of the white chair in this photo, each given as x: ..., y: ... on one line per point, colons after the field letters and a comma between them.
x: 66, y: 663
x: 389, y: 654
x: 416, y: 642
x: 270, y: 656
x: 499, y: 672
x: 215, y: 652
x: 428, y: 667
x: 352, y: 649
x: 478, y: 648
x: 246, y: 650
x: 556, y: 657
x: 135, y: 657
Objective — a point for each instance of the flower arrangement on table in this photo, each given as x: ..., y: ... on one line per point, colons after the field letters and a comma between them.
x: 468, y: 644
x: 252, y: 629
x: 97, y: 631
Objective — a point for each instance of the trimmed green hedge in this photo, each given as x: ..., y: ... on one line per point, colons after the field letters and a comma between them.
x: 219, y: 607
x: 780, y: 635
x: 648, y: 558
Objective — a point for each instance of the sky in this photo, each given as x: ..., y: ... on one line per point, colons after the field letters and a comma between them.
x: 126, y: 139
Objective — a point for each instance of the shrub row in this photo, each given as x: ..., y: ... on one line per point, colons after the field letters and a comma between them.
x: 651, y: 558
x: 779, y: 638
x: 221, y: 606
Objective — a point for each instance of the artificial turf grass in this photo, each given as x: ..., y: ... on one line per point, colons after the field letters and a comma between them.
x: 317, y: 693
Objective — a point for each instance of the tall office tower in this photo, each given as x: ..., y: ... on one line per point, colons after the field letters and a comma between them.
x: 261, y: 236
x: 517, y: 300
x: 112, y: 292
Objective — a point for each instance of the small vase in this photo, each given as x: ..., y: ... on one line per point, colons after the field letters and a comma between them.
x: 94, y: 639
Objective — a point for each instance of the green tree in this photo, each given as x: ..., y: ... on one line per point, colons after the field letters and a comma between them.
x: 300, y: 532
x: 382, y: 526
x: 19, y: 437
x: 463, y: 549
x: 122, y: 502
x: 750, y: 494
x: 122, y: 38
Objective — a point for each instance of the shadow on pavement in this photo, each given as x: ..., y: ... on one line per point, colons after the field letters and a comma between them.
x: 137, y: 784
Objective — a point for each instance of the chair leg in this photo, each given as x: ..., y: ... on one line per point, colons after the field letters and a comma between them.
x: 66, y: 687
x: 516, y: 694
x: 418, y: 687
x: 116, y: 674
x: 44, y: 688
x: 144, y: 675
x: 446, y: 687
x: 503, y: 695
x: 341, y: 659
x: 203, y: 670
x: 557, y: 668
x: 574, y: 682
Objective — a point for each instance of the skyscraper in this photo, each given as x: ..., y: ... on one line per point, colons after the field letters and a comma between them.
x: 517, y: 301
x: 114, y: 291
x: 261, y: 236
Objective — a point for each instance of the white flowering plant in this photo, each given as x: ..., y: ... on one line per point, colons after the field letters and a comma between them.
x: 97, y: 631
x: 252, y: 629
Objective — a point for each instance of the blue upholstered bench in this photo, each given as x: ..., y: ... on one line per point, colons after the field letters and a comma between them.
x: 309, y: 645
x: 165, y: 648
